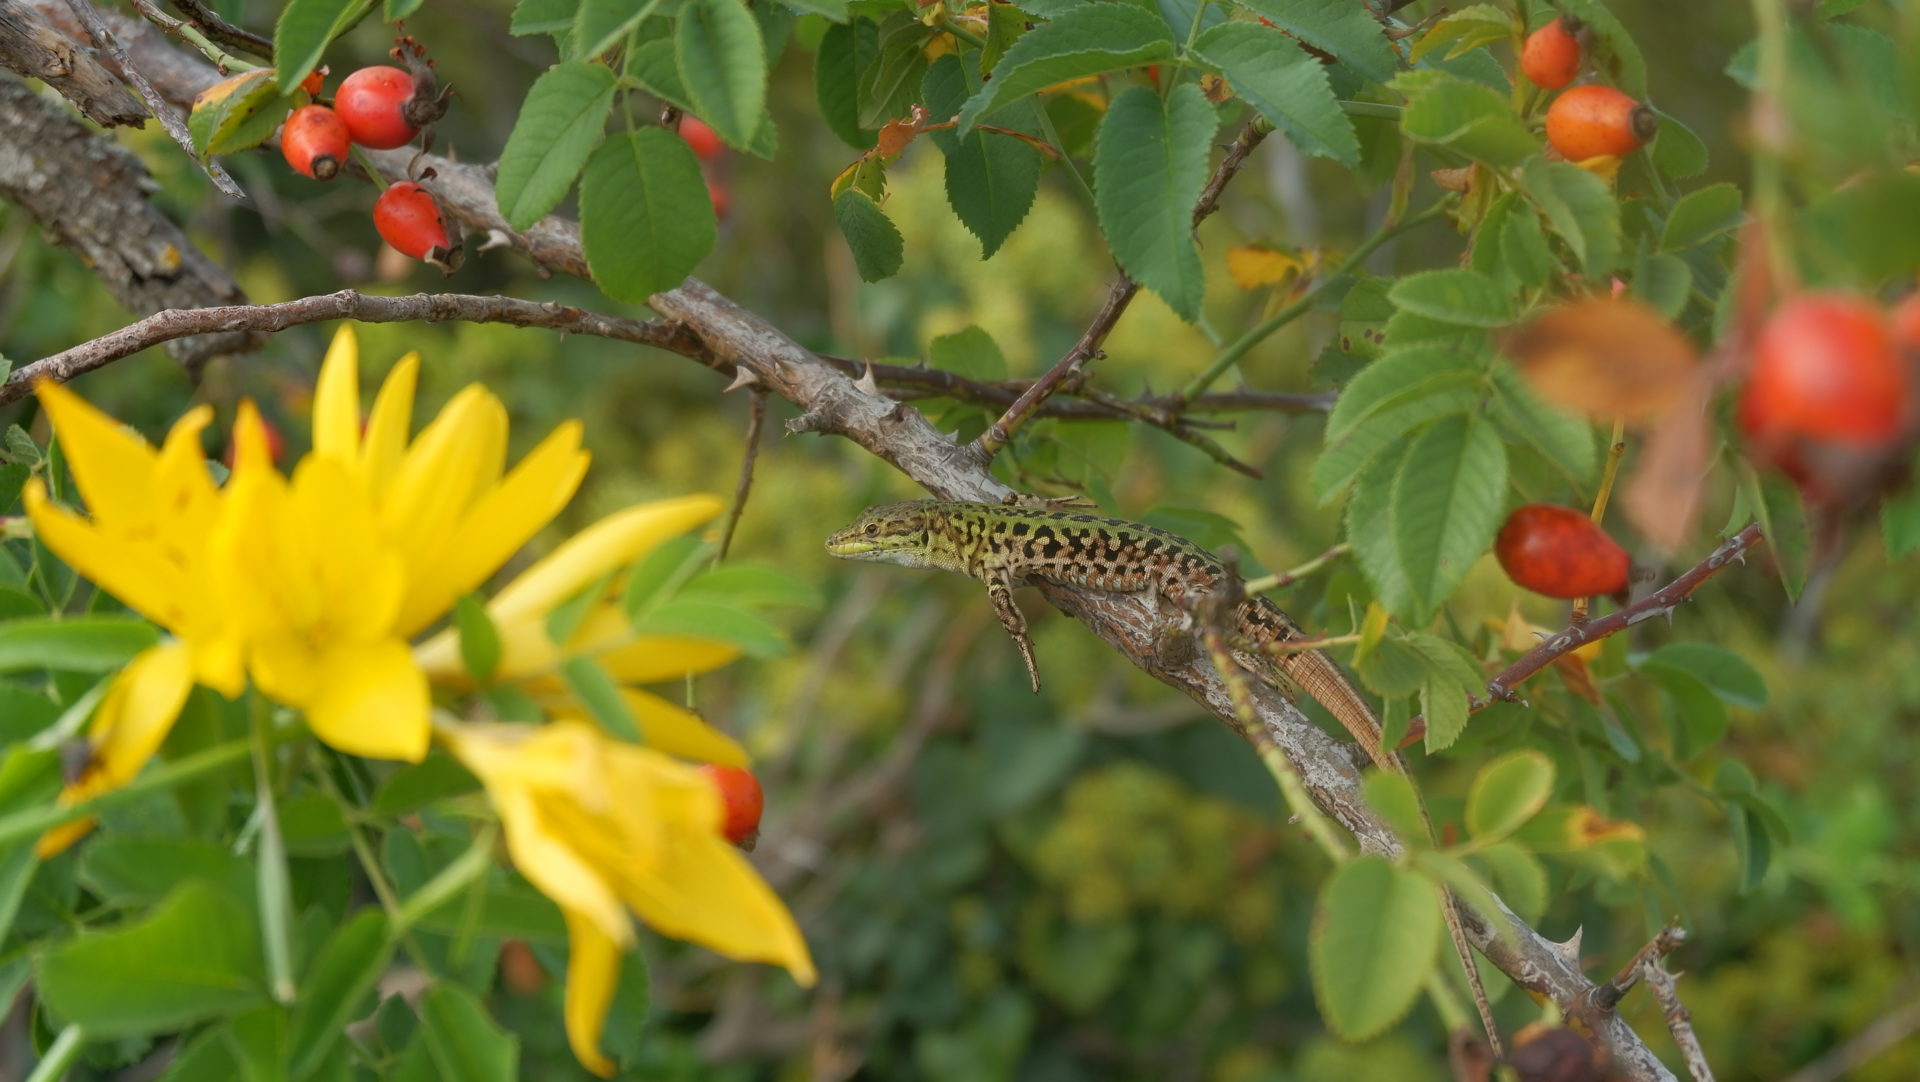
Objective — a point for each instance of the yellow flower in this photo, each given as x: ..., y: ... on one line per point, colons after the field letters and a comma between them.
x: 603, y: 828
x: 371, y: 540
x: 146, y: 543
x: 531, y: 658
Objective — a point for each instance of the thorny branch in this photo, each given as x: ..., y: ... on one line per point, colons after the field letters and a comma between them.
x: 756, y: 416
x: 224, y: 32
x: 1679, y: 1020
x: 1119, y: 296
x: 1608, y: 996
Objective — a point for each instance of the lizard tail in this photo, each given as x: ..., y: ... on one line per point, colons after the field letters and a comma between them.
x: 1320, y: 678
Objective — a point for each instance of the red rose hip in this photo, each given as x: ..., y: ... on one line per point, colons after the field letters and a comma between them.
x: 702, y: 138
x: 372, y: 103
x: 408, y: 219
x: 1551, y: 56
x: 1595, y: 121
x: 1560, y: 552
x: 1826, y: 368
x: 741, y: 797
x: 314, y: 142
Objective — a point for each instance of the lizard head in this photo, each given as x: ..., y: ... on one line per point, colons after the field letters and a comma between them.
x: 893, y: 533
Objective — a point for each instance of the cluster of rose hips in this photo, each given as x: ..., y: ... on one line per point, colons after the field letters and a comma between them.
x: 1589, y: 121
x: 379, y: 108
x: 707, y: 146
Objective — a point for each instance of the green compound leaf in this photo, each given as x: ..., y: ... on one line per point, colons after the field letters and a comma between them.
x: 1375, y: 930
x: 645, y: 219
x: 992, y: 177
x: 1445, y: 506
x: 724, y: 63
x: 1464, y: 297
x: 1091, y: 39
x: 877, y: 247
x: 563, y: 120
x: 1347, y: 30
x: 1285, y: 84
x: 1149, y: 165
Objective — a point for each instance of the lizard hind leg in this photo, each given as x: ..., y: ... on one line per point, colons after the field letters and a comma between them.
x: 1000, y: 592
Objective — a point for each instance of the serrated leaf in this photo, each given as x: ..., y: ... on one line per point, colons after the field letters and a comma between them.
x: 1507, y: 792
x: 542, y: 17
x: 303, y: 33
x: 845, y: 50
x: 890, y: 85
x: 1581, y: 209
x: 1444, y: 705
x: 195, y: 956
x: 1341, y: 463
x: 645, y: 219
x: 750, y: 584
x: 562, y: 120
x: 969, y: 352
x: 1458, y: 296
x: 333, y: 990
x: 1283, y: 84
x: 991, y: 178
x: 1726, y: 673
x: 1348, y: 31
x: 707, y: 620
x: 1397, y: 377
x: 1373, y: 546
x: 1149, y: 166
x: 1391, y: 795
x: 1090, y: 39
x: 1375, y: 930
x: 876, y: 244
x: 239, y: 113
x: 1664, y: 282
x: 1466, y: 30
x: 1472, y: 119
x: 1702, y: 215
x: 724, y: 64
x: 598, y: 25
x: 1566, y: 440
x: 1445, y: 506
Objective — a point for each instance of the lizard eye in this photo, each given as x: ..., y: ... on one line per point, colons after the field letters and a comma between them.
x: 872, y: 528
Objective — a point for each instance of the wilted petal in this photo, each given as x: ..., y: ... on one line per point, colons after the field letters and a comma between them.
x: 336, y: 400
x: 593, y: 973
x: 372, y: 701
x: 614, y: 541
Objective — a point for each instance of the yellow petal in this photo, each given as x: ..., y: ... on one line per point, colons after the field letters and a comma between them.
x: 134, y: 574
x: 593, y: 972
x: 386, y: 437
x: 497, y: 524
x: 251, y: 451
x: 336, y: 400
x: 335, y: 543
x: 440, y: 473
x: 701, y: 889
x: 677, y: 731
x: 618, y: 539
x: 132, y: 722
x: 111, y: 465
x: 650, y: 659
x: 372, y: 701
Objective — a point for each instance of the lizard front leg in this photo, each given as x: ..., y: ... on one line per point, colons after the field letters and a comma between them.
x: 1000, y: 592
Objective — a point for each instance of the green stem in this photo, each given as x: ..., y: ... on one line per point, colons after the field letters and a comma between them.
x: 1193, y: 28
x: 1231, y: 355
x: 1769, y: 122
x: 366, y: 163
x: 961, y: 32
x: 377, y: 878
x: 1378, y: 109
x: 60, y: 1055
x: 1283, y: 578
x: 276, y: 887
x: 466, y: 870
x: 1053, y: 138
x: 36, y: 821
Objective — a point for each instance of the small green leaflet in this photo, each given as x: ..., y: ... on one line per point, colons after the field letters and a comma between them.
x: 1702, y: 215
x: 1090, y: 39
x: 1581, y: 209
x: 992, y: 177
x: 1375, y: 930
x: 876, y: 244
x: 1149, y: 166
x: 563, y: 120
x: 303, y: 33
x: 1464, y: 297
x: 1341, y: 27
x: 1288, y: 87
x: 645, y: 219
x: 724, y: 64
x: 1507, y: 792
x: 1445, y: 507
x: 845, y: 50
x: 1469, y: 118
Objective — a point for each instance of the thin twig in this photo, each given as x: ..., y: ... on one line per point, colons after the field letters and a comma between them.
x: 1119, y: 296
x: 1661, y: 602
x: 756, y: 414
x: 224, y: 32
x: 103, y: 40
x: 1881, y: 1034
x: 1679, y: 1020
x: 1608, y: 996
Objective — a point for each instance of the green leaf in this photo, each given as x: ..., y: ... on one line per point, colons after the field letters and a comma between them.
x: 542, y: 17
x: 1871, y: 228
x: 1397, y: 377
x: 1090, y: 39
x: 890, y: 85
x: 969, y: 352
x: 1518, y: 876
x: 1391, y: 795
x: 1702, y: 215
x: 1459, y: 296
x: 466, y: 1044
x: 562, y: 121
x: 992, y: 178
x: 1664, y: 282
x: 1446, y: 505
x: 835, y: 10
x: 196, y: 956
x: 302, y: 34
x: 241, y: 118
x: 1566, y: 440
x: 395, y: 10
x: 1700, y: 720
x: 1466, y: 30
x: 598, y: 25
x: 1399, y: 412
x: 1581, y: 209
x: 417, y: 785
x: 1348, y: 31
x: 724, y: 64
x: 1284, y: 84
x: 136, y: 870
x: 600, y: 694
x: 645, y: 219
x: 1444, y: 704
x: 1471, y: 119
x: 1728, y: 674
x: 662, y: 572
x: 75, y: 644
x: 707, y: 620
x: 742, y: 584
x: 845, y: 50
x: 334, y: 990
x: 479, y: 639
x: 1900, y: 524
x: 1149, y: 167
x: 1676, y: 150
x: 1507, y: 792
x: 1372, y: 947
x: 876, y: 244
x: 1373, y: 547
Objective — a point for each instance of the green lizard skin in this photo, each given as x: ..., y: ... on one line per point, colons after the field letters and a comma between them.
x: 1006, y: 547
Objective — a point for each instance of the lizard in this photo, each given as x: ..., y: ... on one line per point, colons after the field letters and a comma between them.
x: 1006, y: 546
